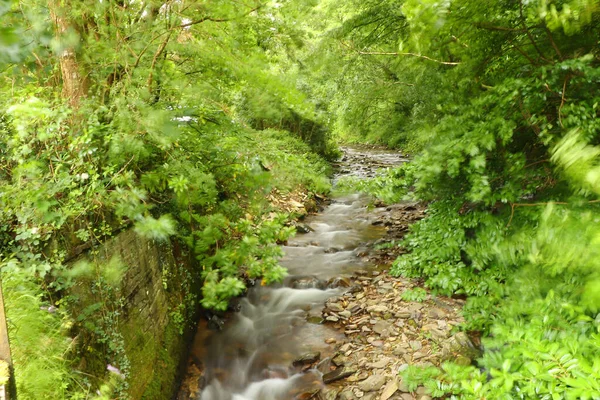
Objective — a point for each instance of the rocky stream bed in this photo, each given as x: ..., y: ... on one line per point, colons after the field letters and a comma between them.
x: 339, y: 327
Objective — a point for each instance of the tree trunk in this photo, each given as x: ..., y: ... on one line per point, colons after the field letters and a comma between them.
x: 74, y: 82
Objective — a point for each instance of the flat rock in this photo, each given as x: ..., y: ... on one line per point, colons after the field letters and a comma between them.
x: 374, y: 382
x: 307, y: 358
x: 380, y: 364
x: 390, y: 388
x: 338, y: 374
x: 378, y: 309
x: 382, y: 327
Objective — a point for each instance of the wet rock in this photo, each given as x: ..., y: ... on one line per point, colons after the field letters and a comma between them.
x: 215, y: 323
x: 304, y: 228
x: 346, y: 314
x: 339, y: 360
x: 355, y: 289
x: 308, y: 394
x: 328, y: 394
x: 332, y: 318
x: 374, y: 382
x: 324, y: 366
x: 338, y: 282
x: 307, y: 358
x: 315, y: 319
x: 340, y: 373
x: 335, y: 307
x: 347, y: 395
x: 305, y: 282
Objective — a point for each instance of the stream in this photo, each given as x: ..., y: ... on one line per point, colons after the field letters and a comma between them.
x: 263, y: 350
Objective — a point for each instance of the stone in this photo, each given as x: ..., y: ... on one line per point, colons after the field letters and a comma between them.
x: 345, y: 347
x: 328, y: 394
x: 215, y: 323
x: 339, y: 360
x: 346, y: 314
x: 372, y: 383
x: 347, y: 395
x: 303, y: 228
x: 335, y: 307
x: 338, y: 374
x: 324, y: 366
x: 380, y: 364
x: 436, y: 313
x: 307, y: 358
x: 415, y: 345
x: 390, y: 388
x: 382, y: 327
x: 378, y: 309
x: 315, y: 320
x: 422, y: 391
x: 403, y: 387
x: 332, y: 318
x: 338, y: 282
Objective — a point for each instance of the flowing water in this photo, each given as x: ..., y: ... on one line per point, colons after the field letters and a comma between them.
x: 252, y: 358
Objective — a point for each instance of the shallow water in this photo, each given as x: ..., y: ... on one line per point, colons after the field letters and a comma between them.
x: 252, y: 357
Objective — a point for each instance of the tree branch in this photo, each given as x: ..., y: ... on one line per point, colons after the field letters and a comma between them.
x: 528, y: 33
x: 382, y: 53
x: 211, y: 19
x: 159, y: 51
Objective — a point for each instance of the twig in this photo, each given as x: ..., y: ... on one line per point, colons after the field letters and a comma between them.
x: 563, y: 99
x: 551, y: 38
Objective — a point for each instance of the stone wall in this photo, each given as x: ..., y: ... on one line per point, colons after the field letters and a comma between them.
x: 156, y: 281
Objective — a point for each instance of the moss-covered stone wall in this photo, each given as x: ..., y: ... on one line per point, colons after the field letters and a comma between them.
x: 153, y: 299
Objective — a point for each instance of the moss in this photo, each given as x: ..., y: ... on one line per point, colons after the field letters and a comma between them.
x: 163, y: 381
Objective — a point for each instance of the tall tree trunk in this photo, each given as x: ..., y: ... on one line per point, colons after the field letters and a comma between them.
x: 74, y: 82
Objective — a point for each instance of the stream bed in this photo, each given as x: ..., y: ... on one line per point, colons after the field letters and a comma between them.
x: 270, y: 348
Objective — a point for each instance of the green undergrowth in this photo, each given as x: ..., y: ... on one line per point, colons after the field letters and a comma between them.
x: 502, y: 101
x: 206, y: 184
